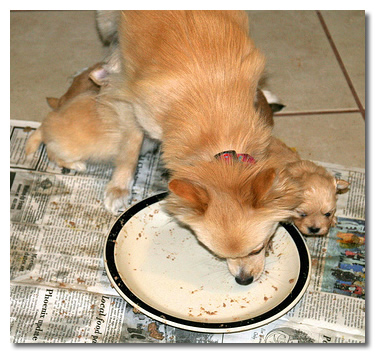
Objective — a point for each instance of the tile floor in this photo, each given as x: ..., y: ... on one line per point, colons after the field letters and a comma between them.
x: 315, y: 64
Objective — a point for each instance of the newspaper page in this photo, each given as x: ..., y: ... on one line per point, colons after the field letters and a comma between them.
x: 60, y: 292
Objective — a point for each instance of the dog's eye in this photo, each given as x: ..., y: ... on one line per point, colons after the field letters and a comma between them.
x: 255, y: 252
x: 327, y: 214
x: 302, y: 215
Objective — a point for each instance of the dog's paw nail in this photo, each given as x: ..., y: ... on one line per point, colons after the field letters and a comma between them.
x: 78, y: 166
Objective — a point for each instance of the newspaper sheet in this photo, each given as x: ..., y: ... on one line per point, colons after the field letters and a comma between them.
x: 60, y: 291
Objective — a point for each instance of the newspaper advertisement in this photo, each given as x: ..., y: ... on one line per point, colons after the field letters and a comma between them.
x: 60, y: 292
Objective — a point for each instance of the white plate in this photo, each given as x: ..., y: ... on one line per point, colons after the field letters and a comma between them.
x: 160, y: 268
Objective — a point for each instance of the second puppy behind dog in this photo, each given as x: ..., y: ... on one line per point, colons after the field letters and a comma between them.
x: 77, y: 130
x: 82, y: 82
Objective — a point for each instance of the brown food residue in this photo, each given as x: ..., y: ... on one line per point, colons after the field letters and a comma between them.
x: 291, y: 280
x: 207, y: 312
x: 196, y: 290
x: 154, y: 333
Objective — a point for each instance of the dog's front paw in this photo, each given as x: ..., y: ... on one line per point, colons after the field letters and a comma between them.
x: 115, y: 198
x: 78, y: 166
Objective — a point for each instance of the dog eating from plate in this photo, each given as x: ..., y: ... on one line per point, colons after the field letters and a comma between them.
x: 190, y: 80
x: 193, y: 86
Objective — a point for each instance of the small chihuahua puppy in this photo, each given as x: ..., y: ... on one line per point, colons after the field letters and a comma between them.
x: 74, y: 132
x: 316, y: 213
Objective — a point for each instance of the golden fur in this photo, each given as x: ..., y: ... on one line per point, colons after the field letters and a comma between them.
x: 75, y: 134
x: 191, y: 78
x: 79, y: 128
x: 81, y: 83
x: 234, y: 210
x: 316, y: 213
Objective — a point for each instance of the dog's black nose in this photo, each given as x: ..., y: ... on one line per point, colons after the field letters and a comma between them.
x: 244, y: 281
x: 314, y: 230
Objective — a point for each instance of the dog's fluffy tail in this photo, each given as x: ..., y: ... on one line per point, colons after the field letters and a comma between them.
x: 106, y: 22
x: 33, y: 142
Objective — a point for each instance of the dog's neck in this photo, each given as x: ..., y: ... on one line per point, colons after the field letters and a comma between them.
x: 230, y: 156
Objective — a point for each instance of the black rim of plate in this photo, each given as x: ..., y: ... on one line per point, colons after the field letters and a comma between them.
x: 194, y: 325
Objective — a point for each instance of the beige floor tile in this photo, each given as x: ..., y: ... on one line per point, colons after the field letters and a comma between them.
x: 46, y: 49
x: 348, y: 32
x: 302, y: 69
x: 338, y: 138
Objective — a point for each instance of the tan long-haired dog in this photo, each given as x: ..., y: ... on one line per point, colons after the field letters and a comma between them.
x: 316, y: 213
x: 191, y: 78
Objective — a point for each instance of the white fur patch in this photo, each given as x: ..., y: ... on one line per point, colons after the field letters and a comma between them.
x: 113, y: 203
x: 271, y: 98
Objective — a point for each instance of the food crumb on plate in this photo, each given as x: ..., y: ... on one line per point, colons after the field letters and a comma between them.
x: 196, y: 290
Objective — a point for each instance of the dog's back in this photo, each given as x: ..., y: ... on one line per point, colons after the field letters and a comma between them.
x: 195, y: 70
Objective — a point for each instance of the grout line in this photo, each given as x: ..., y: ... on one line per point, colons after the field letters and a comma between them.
x: 322, y: 112
x: 341, y: 63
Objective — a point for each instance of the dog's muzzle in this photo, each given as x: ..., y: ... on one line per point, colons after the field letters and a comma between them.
x: 244, y: 280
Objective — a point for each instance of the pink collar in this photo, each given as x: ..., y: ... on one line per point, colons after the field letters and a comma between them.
x: 231, y: 155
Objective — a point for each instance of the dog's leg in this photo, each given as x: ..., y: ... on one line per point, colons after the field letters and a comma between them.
x: 117, y: 190
x: 79, y: 166
x: 34, y: 141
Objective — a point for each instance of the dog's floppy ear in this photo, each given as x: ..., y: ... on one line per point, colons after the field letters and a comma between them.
x: 53, y: 102
x: 194, y: 194
x: 341, y: 186
x: 261, y: 185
